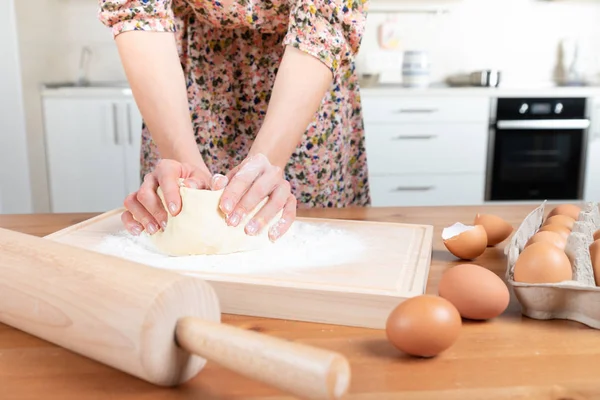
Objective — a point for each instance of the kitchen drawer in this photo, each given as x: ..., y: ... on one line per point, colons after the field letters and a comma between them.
x: 426, y: 148
x: 427, y: 190
x: 384, y: 109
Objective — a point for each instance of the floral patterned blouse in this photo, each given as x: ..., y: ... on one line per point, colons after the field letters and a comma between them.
x: 230, y: 51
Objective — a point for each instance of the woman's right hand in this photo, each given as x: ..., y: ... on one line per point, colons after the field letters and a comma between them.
x: 144, y: 209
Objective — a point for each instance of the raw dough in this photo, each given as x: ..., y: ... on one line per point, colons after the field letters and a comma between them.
x: 200, y: 227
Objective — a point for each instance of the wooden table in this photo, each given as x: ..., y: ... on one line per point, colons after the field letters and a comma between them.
x: 509, y: 357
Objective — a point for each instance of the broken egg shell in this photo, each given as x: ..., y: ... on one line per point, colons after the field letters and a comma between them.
x: 542, y: 262
x: 423, y: 326
x: 560, y: 229
x: 496, y: 228
x: 465, y: 241
x: 550, y: 237
x: 563, y: 220
x: 595, y: 259
x: 570, y: 210
x: 476, y: 292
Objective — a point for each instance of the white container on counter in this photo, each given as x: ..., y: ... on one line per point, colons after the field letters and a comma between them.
x: 415, y: 69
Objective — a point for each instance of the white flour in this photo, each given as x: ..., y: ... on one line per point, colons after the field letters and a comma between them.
x: 305, y: 245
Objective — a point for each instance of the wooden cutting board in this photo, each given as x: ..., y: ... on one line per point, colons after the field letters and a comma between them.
x: 341, y: 272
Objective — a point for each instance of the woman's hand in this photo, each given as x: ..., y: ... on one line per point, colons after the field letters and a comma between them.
x: 249, y: 183
x: 145, y: 209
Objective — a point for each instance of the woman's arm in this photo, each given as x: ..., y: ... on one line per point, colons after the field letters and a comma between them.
x: 302, y: 81
x: 146, y: 42
x: 157, y: 82
x: 322, y: 36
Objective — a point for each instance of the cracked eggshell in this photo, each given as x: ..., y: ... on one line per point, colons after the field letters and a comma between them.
x: 466, y: 242
x: 497, y: 229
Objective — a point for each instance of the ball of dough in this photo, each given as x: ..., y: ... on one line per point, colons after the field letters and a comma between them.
x: 201, y: 227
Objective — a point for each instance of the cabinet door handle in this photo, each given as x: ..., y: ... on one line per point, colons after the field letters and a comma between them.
x: 413, y: 188
x: 416, y: 110
x: 129, y: 134
x: 411, y: 137
x: 115, y: 124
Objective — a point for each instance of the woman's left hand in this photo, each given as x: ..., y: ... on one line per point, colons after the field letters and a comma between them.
x: 249, y: 183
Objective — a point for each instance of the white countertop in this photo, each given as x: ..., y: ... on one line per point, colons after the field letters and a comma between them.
x: 101, y: 90
x: 504, y: 91
x: 122, y: 89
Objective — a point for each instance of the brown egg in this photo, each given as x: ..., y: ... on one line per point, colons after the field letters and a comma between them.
x: 549, y: 237
x: 569, y: 210
x: 560, y: 229
x: 423, y: 326
x: 597, y: 235
x: 595, y: 258
x: 496, y: 228
x: 476, y: 292
x: 465, y: 242
x: 542, y: 262
x: 563, y: 220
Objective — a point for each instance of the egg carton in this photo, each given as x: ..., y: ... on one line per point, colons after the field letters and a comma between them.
x: 577, y: 299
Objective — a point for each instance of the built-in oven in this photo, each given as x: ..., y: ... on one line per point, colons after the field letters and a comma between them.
x: 537, y: 149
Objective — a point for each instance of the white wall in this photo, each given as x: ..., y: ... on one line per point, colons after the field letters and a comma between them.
x: 520, y: 37
x: 51, y: 35
x: 15, y: 190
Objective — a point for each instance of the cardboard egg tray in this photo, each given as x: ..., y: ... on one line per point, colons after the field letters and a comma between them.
x: 577, y: 299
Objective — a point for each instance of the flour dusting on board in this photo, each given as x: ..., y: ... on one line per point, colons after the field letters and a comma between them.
x: 305, y: 245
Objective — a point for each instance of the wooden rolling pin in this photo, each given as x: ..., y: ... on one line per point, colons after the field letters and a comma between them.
x: 157, y: 325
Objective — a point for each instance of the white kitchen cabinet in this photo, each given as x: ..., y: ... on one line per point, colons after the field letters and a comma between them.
x: 592, y: 173
x: 414, y: 148
x: 92, y: 147
x: 426, y: 109
x: 427, y: 190
x: 426, y: 150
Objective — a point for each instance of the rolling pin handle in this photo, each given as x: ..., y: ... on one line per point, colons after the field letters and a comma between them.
x: 305, y: 371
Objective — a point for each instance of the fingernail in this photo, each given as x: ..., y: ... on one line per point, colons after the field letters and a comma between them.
x: 234, y: 219
x: 192, y: 184
x: 252, y: 227
x: 136, y: 230
x: 172, y: 208
x: 164, y: 224
x: 227, y: 206
x: 152, y: 228
x: 275, y: 232
x: 219, y: 180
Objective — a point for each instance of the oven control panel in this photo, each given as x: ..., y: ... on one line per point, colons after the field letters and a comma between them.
x: 540, y: 108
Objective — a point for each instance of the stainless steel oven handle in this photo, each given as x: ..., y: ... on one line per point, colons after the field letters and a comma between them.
x: 544, y: 124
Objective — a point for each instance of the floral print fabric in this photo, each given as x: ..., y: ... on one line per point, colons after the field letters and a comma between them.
x: 230, y: 51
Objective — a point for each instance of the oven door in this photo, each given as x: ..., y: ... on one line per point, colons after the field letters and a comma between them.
x: 537, y: 160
